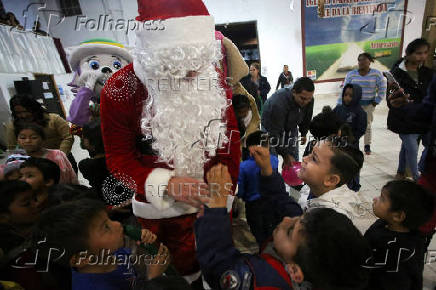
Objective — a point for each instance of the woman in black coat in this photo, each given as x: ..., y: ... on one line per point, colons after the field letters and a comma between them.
x: 256, y: 85
x: 414, y: 78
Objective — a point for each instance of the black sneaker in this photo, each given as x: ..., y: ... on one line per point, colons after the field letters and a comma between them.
x: 367, y: 150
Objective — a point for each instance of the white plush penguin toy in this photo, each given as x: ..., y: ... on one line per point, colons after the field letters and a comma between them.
x: 93, y: 62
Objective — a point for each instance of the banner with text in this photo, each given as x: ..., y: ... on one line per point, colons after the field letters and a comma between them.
x: 337, y: 31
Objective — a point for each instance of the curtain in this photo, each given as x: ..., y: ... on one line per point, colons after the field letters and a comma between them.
x: 25, y: 51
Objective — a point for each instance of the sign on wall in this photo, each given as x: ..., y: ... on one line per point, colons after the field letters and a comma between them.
x: 335, y: 32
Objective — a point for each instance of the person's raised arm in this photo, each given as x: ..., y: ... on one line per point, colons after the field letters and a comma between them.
x: 213, y: 234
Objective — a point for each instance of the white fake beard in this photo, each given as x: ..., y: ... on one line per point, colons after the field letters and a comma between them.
x: 184, y: 116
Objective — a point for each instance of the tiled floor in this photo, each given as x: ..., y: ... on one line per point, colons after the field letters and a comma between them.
x: 378, y: 169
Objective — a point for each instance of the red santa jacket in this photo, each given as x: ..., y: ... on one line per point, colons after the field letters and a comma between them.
x: 121, y: 107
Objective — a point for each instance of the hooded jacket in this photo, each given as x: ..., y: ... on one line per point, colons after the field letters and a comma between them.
x: 405, y: 120
x: 280, y: 117
x: 353, y: 114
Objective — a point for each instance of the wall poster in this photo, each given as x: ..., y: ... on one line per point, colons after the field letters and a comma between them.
x: 335, y: 32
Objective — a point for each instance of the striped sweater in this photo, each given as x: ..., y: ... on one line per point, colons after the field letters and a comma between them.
x: 373, y: 85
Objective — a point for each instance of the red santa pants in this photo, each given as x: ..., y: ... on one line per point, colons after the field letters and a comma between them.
x: 178, y: 235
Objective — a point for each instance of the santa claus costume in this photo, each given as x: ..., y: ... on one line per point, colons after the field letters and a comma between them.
x: 169, y: 114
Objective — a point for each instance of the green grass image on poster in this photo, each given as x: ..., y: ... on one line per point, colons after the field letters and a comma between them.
x: 321, y: 57
x: 386, y: 56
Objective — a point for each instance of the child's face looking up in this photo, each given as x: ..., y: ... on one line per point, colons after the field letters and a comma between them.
x: 348, y: 96
x: 381, y: 205
x: 35, y: 178
x: 105, y: 234
x: 316, y: 167
x: 287, y: 237
x: 30, y: 141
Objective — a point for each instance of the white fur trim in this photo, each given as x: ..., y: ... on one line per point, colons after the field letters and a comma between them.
x: 159, y: 205
x: 179, y: 30
x: 155, y: 187
x: 148, y: 211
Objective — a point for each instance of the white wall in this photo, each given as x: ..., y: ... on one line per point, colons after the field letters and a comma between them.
x: 279, y: 31
x: 278, y: 23
x: 7, y: 83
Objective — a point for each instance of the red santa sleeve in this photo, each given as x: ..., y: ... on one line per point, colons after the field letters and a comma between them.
x: 121, y: 106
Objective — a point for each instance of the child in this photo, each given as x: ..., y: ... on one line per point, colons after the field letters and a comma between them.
x: 321, y: 249
x: 257, y: 211
x: 18, y: 212
x: 398, y: 247
x: 325, y: 171
x: 92, y: 245
x: 247, y: 116
x: 30, y: 137
x: 94, y: 169
x: 351, y: 112
x: 41, y: 174
x: 323, y: 125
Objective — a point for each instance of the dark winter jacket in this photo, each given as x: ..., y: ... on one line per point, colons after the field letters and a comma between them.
x: 398, y: 258
x: 220, y: 261
x: 264, y: 88
x: 222, y: 264
x: 403, y: 120
x: 284, y: 79
x: 280, y: 117
x: 273, y: 190
x: 353, y: 114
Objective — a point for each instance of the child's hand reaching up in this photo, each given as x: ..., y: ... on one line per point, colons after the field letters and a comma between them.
x: 160, y: 263
x: 262, y: 157
x: 147, y: 237
x: 220, y: 185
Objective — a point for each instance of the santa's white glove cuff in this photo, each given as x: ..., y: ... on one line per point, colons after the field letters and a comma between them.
x: 156, y: 188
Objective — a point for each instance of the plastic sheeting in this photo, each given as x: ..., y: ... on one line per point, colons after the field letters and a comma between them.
x: 25, y: 51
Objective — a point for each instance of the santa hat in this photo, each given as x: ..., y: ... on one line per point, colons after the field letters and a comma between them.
x: 183, y: 22
x: 98, y: 46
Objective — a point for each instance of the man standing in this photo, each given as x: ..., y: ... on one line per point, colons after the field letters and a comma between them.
x: 283, y: 112
x: 285, y: 78
x: 167, y: 119
x: 373, y: 86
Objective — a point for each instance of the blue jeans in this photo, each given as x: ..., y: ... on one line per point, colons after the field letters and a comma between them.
x: 409, y: 154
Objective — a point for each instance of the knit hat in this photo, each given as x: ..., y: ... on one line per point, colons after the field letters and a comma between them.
x: 184, y: 22
x: 98, y: 46
x: 14, y: 162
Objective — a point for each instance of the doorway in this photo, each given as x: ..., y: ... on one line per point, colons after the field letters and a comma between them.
x: 244, y: 36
